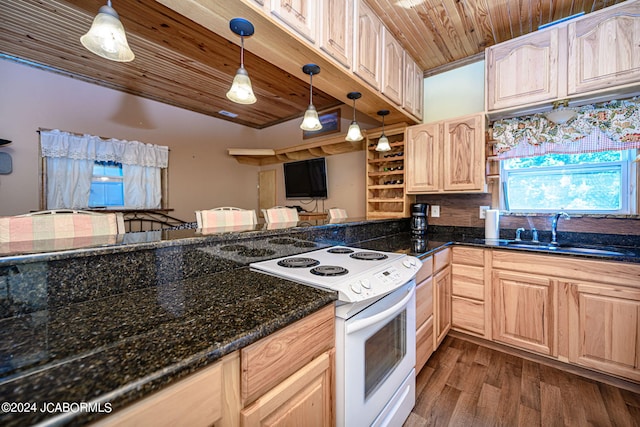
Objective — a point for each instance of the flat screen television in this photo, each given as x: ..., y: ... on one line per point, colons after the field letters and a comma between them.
x: 306, y: 179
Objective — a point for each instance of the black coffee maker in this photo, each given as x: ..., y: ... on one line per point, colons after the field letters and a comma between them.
x: 419, y: 219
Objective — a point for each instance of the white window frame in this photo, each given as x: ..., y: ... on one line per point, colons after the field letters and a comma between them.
x: 630, y: 181
x: 108, y: 178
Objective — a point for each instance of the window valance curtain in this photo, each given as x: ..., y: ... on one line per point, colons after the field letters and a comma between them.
x: 70, y: 159
x: 611, y: 126
x: 57, y: 143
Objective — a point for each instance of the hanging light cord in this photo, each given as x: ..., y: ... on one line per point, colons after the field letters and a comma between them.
x: 241, y: 51
x: 310, y: 88
x: 354, y: 109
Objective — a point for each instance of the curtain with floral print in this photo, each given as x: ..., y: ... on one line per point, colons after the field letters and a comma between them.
x: 602, y: 127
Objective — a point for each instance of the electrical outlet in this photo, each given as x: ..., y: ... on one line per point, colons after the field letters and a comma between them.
x: 435, y: 211
x: 483, y: 213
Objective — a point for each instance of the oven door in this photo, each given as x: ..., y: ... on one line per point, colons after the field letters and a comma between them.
x: 379, y: 361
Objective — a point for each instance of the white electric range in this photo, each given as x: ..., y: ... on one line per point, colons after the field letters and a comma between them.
x: 375, y: 327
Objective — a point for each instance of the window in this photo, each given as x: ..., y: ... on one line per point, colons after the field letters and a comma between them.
x: 107, y: 186
x: 581, y: 183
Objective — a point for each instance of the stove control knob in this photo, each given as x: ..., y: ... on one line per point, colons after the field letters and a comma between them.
x: 406, y: 263
x: 365, y: 283
x: 355, y: 287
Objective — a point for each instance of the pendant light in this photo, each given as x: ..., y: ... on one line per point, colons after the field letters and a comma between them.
x: 561, y: 113
x: 311, y: 120
x: 354, y: 134
x: 106, y: 37
x: 383, y: 141
x: 241, y: 91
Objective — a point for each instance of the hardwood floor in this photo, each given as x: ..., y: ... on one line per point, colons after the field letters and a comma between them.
x: 466, y: 384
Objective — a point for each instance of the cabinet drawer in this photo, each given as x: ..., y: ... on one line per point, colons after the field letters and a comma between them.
x: 441, y: 259
x: 424, y: 301
x: 424, y: 343
x: 468, y: 315
x: 426, y: 270
x: 468, y: 281
x: 468, y: 256
x: 269, y: 361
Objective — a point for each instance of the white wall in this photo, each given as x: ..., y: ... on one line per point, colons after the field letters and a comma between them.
x: 455, y: 93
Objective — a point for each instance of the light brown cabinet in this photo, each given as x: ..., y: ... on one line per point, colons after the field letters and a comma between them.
x: 368, y: 45
x: 386, y: 195
x: 208, y: 397
x: 447, y: 156
x: 524, y: 310
x: 603, y: 49
x: 588, y: 59
x: 424, y: 313
x: 299, y: 15
x: 336, y: 30
x: 392, y: 67
x: 604, y: 328
x: 413, y: 87
x: 471, y: 297
x: 441, y: 295
x: 523, y: 70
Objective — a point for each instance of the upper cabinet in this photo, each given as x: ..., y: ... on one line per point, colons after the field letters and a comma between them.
x: 413, y: 87
x: 447, y: 156
x: 392, y: 70
x: 604, y: 50
x: 336, y: 30
x: 586, y: 59
x: 368, y: 33
x: 299, y: 15
x: 523, y: 71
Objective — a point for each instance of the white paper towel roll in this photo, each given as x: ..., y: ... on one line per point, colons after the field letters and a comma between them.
x: 492, y: 224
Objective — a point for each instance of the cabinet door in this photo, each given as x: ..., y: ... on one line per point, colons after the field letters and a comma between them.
x: 604, y: 328
x: 413, y: 87
x: 299, y: 15
x: 523, y: 71
x: 463, y: 156
x: 423, y: 158
x: 302, y: 399
x: 336, y: 33
x: 524, y: 311
x: 442, y: 308
x: 392, y: 71
x: 604, y: 49
x: 368, y: 45
x: 424, y: 322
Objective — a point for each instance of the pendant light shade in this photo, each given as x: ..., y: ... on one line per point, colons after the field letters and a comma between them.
x: 354, y: 134
x: 241, y: 91
x: 311, y: 120
x: 561, y: 113
x: 106, y: 37
x: 383, y: 141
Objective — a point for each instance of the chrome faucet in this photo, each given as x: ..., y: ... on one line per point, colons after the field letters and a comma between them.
x: 554, y: 226
x: 518, y: 231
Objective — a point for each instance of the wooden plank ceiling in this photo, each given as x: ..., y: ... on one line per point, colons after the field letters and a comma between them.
x: 180, y: 63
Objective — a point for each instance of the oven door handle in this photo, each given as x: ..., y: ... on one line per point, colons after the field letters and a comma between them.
x: 383, y: 315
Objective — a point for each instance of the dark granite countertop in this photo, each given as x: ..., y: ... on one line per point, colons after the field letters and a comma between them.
x: 112, y: 324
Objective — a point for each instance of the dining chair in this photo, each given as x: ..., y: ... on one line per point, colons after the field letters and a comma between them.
x: 337, y: 213
x: 278, y: 214
x: 60, y: 224
x: 225, y: 217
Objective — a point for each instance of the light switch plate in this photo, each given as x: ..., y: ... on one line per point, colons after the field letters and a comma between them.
x: 435, y: 211
x: 483, y: 211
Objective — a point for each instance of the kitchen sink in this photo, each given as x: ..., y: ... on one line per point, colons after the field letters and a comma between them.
x: 581, y: 249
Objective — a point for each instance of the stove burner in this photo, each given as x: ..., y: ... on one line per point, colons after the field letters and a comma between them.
x: 298, y: 262
x: 340, y: 251
x: 282, y: 241
x: 304, y: 245
x: 233, y: 248
x: 368, y: 256
x: 329, y: 270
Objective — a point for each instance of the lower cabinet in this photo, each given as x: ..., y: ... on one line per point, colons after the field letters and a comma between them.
x: 305, y: 398
x: 441, y: 296
x: 604, y: 328
x: 470, y: 295
x: 523, y: 310
x: 424, y: 313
